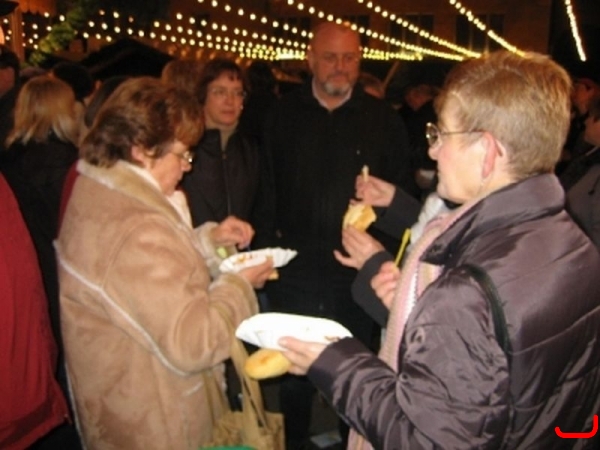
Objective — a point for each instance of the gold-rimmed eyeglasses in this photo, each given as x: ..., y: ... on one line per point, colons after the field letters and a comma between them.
x: 222, y: 92
x: 433, y: 133
x: 187, y: 156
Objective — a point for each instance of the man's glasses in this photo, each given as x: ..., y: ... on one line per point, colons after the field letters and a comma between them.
x: 346, y: 59
x: 187, y: 156
x: 222, y: 93
x: 433, y: 133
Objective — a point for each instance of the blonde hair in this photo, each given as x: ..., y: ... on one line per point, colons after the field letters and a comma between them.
x: 523, y: 101
x: 45, y: 105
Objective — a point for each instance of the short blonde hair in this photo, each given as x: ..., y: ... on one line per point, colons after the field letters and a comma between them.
x: 144, y: 112
x: 45, y: 104
x: 523, y: 101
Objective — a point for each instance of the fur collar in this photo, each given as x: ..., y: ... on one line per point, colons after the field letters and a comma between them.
x: 123, y: 179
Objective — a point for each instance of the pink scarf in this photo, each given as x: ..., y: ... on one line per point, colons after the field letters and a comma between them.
x: 416, y: 276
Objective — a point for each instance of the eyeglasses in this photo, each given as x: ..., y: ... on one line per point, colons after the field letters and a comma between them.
x: 187, y: 156
x: 222, y: 93
x: 345, y: 58
x: 433, y: 133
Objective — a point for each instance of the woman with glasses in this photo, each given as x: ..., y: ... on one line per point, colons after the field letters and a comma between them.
x: 142, y: 319
x: 492, y: 338
x: 224, y: 179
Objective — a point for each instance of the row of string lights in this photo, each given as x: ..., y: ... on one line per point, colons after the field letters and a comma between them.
x: 269, y: 38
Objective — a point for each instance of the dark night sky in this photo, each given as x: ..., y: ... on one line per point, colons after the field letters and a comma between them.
x: 562, y: 45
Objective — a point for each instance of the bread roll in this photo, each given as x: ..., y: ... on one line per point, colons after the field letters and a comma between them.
x: 360, y: 216
x: 266, y: 363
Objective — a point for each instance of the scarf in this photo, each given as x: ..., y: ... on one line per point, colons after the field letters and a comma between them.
x: 416, y: 276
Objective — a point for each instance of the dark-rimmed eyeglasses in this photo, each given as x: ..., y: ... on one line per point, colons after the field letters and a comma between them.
x: 433, y: 133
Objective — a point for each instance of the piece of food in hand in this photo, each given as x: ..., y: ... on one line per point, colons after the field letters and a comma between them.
x: 360, y: 216
x: 266, y: 363
x: 274, y: 275
x: 365, y: 173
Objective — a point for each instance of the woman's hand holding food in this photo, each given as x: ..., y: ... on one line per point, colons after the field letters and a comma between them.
x: 233, y: 231
x: 258, y: 275
x: 374, y: 191
x: 359, y: 245
x: 385, y: 282
x: 300, y: 353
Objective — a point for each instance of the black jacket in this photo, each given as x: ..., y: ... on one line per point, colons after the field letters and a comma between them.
x: 456, y: 388
x: 223, y: 183
x: 36, y: 173
x: 316, y: 155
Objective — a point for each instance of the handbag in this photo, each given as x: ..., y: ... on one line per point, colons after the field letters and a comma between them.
x: 253, y: 426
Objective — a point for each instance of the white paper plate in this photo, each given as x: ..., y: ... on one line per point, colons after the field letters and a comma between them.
x: 239, y: 261
x: 264, y: 330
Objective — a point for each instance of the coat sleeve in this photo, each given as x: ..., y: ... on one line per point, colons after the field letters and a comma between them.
x: 451, y: 391
x: 364, y: 295
x: 159, y: 291
x: 401, y: 214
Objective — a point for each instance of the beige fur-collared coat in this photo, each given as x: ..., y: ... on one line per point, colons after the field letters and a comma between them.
x: 138, y: 315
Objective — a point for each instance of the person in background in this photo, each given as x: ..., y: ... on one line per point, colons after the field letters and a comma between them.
x: 372, y: 85
x: 185, y: 74
x: 417, y: 111
x: 365, y: 254
x: 100, y: 96
x: 318, y: 138
x: 584, y: 89
x: 449, y: 374
x: 42, y: 146
x: 263, y: 93
x: 142, y: 320
x: 581, y: 179
x: 225, y: 177
x: 9, y: 88
x: 32, y: 402
x: 78, y: 77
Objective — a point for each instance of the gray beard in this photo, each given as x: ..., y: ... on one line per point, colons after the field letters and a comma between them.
x: 337, y: 91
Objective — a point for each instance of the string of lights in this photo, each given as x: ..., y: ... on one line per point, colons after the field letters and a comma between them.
x: 217, y: 37
x: 184, y: 34
x: 481, y: 26
x: 312, y: 11
x: 415, y: 29
x: 376, y: 35
x: 575, y: 30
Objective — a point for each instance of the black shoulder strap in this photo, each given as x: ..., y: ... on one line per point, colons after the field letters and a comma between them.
x: 486, y: 283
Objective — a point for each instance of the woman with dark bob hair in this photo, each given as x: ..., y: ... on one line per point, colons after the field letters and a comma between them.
x: 141, y: 316
x: 492, y: 338
x: 225, y: 179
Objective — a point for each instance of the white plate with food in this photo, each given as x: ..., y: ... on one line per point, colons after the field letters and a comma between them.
x: 264, y: 330
x: 239, y: 261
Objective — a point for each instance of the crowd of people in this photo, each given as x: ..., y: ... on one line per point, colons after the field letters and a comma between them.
x: 121, y: 197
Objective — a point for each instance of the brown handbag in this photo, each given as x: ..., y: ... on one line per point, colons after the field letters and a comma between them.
x: 253, y: 426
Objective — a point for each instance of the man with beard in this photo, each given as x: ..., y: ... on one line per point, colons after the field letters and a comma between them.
x: 318, y: 138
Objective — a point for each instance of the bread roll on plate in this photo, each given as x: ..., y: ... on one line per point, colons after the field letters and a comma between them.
x: 360, y: 216
x: 266, y: 363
